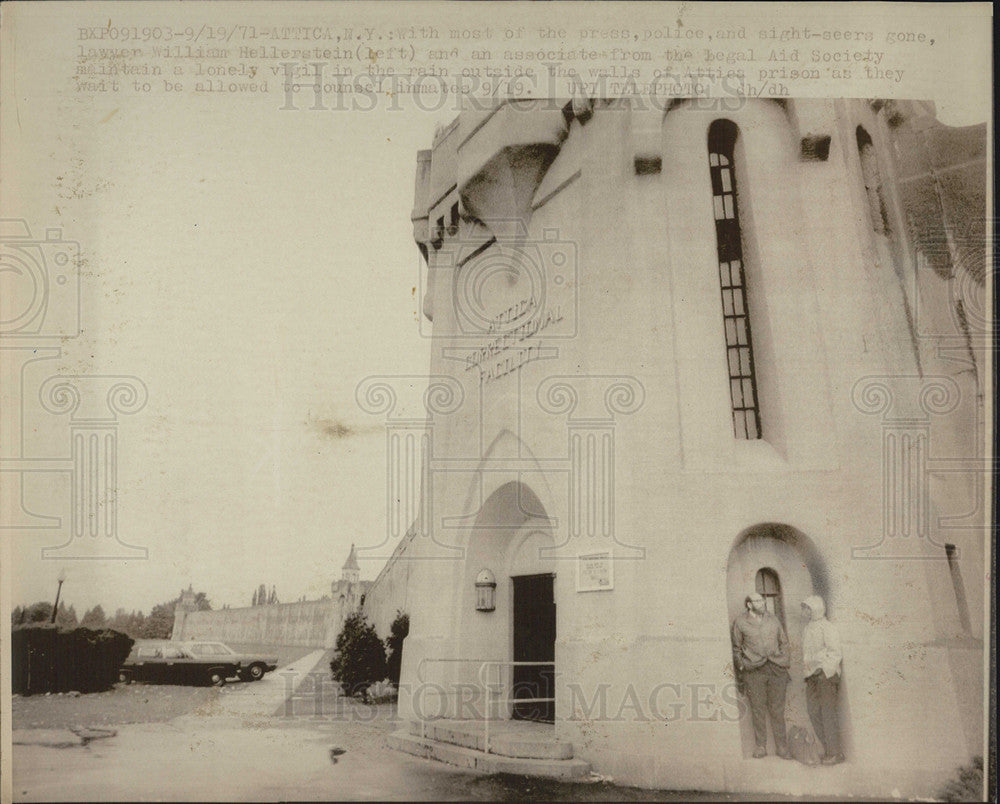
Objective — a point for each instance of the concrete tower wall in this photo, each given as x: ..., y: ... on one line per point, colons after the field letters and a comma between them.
x: 578, y: 322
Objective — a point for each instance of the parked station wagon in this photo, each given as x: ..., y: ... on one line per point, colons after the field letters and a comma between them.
x: 169, y: 662
x: 252, y: 666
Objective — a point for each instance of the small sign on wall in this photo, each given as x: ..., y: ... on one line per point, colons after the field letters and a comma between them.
x: 594, y: 572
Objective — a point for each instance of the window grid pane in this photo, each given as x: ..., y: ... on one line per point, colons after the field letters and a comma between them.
x: 736, y: 323
x: 727, y: 306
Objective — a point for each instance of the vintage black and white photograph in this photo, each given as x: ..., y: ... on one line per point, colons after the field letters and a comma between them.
x: 479, y: 401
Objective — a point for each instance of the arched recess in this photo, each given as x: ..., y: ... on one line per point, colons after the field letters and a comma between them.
x: 511, y: 537
x: 776, y: 557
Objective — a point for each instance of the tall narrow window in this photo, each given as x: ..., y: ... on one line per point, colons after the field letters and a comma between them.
x: 735, y: 314
x: 873, y: 182
x: 769, y: 587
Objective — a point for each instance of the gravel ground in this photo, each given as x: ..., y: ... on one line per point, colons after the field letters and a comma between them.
x: 134, y: 703
x: 317, y: 746
x: 322, y: 748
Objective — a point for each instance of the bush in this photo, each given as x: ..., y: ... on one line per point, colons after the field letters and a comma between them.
x: 47, y: 658
x: 967, y: 786
x: 394, y: 644
x: 359, y: 660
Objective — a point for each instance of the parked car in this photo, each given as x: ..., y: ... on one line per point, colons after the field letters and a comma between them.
x: 167, y: 662
x: 174, y: 663
x: 252, y: 666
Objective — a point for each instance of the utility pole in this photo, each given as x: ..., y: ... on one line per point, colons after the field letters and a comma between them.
x: 55, y: 606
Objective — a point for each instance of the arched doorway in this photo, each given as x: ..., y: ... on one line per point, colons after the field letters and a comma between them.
x: 512, y: 538
x: 782, y: 564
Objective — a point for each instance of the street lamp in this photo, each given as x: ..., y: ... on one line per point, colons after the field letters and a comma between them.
x: 55, y: 606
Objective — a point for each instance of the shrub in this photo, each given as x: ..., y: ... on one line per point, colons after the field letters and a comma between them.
x: 47, y: 658
x: 359, y: 659
x: 394, y: 644
x: 967, y: 786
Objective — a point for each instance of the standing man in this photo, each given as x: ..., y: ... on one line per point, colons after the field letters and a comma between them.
x: 760, y: 650
x: 821, y: 659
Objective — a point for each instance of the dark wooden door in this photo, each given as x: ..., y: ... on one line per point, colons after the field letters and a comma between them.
x: 534, y: 641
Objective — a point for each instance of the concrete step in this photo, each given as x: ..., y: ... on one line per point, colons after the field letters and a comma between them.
x: 502, y: 742
x: 488, y: 763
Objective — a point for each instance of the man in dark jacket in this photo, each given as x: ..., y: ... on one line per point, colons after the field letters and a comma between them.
x: 760, y: 650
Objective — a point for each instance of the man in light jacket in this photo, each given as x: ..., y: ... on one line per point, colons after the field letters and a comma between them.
x: 760, y: 651
x: 821, y: 659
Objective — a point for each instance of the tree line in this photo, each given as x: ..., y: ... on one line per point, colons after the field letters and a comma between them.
x: 261, y: 597
x: 157, y: 624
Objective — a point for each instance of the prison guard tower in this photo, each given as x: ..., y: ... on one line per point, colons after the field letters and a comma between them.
x: 679, y: 355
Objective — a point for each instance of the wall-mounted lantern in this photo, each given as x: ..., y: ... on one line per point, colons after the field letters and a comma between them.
x: 486, y: 591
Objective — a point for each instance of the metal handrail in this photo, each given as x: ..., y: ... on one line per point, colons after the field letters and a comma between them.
x: 422, y: 680
x: 420, y: 666
x: 486, y: 693
x: 486, y: 687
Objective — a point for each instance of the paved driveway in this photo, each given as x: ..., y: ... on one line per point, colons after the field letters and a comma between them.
x: 286, y: 737
x: 268, y: 740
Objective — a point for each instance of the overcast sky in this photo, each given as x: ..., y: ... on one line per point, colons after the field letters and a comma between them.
x: 250, y: 265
